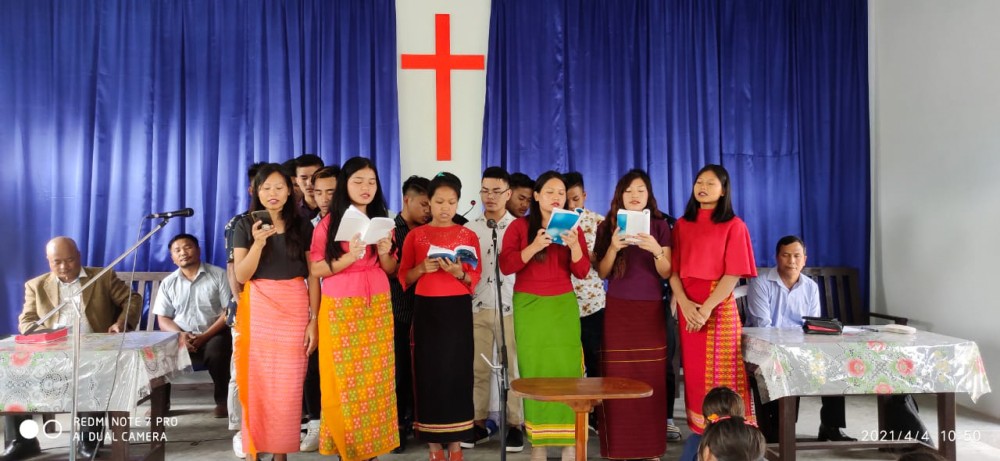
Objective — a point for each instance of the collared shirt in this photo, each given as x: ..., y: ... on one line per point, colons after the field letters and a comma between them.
x: 66, y: 290
x: 402, y: 300
x: 485, y: 296
x: 193, y: 305
x: 771, y: 304
x: 589, y: 290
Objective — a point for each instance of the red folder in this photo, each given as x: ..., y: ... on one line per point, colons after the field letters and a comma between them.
x: 42, y: 336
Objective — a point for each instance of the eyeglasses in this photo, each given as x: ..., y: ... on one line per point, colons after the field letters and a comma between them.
x: 493, y: 193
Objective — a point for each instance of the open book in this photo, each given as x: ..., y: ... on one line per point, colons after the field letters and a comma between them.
x: 631, y: 223
x: 371, y: 229
x: 461, y: 253
x: 561, y: 221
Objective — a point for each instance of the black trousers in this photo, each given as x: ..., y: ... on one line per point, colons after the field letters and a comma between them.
x: 591, y: 336
x: 312, y: 400
x: 216, y: 356
x: 11, y: 428
x: 404, y: 375
x: 902, y: 417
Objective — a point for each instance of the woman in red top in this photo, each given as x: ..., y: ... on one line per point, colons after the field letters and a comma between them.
x: 711, y: 252
x: 442, y: 322
x: 546, y: 315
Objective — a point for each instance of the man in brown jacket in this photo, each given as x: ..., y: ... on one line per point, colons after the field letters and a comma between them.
x: 105, y: 307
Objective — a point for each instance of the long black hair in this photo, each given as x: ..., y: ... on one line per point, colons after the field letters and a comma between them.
x: 724, y: 209
x: 535, y: 211
x: 289, y: 214
x: 607, y: 227
x: 342, y: 201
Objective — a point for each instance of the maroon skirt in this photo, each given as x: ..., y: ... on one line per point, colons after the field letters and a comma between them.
x: 635, y: 346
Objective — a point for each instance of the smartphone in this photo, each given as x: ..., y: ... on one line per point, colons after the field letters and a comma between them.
x: 263, y: 216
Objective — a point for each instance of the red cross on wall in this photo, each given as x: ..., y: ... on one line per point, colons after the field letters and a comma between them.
x: 442, y: 62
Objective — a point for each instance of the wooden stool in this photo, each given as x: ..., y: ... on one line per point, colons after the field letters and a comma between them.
x: 581, y: 394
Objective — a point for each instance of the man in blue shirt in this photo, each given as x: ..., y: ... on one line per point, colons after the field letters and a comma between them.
x: 779, y: 297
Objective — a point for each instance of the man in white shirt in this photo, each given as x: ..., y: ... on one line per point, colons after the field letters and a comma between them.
x: 192, y: 302
x: 779, y: 297
x: 494, y: 193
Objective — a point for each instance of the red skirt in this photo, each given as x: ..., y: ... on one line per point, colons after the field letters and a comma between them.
x: 713, y: 355
x: 635, y: 346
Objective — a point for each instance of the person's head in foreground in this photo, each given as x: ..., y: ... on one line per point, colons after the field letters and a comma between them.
x: 730, y: 438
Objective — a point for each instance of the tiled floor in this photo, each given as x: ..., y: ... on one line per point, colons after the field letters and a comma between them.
x: 198, y: 436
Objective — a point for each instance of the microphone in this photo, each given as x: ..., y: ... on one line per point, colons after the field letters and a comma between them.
x: 172, y: 214
x: 491, y: 223
x: 472, y: 205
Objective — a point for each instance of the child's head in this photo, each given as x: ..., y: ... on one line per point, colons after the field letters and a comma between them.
x: 721, y: 402
x: 731, y: 439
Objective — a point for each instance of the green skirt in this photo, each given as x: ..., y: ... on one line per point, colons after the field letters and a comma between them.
x: 547, y: 331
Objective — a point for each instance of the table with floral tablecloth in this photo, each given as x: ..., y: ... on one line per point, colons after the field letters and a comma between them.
x: 37, y: 377
x: 790, y: 362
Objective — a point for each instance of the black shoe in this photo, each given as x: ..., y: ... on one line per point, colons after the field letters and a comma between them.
x: 479, y: 435
x: 833, y: 434
x: 21, y: 449
x: 87, y: 450
x: 402, y: 443
x: 515, y: 440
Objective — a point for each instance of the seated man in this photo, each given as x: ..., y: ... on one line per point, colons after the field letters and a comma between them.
x: 780, y: 297
x: 192, y: 302
x: 108, y: 306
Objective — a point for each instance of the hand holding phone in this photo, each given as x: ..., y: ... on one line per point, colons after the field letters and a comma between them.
x: 264, y: 217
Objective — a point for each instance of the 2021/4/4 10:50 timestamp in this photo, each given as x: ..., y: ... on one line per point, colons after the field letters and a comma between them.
x: 949, y: 436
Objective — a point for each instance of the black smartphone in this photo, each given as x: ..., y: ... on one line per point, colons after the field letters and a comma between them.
x: 263, y: 216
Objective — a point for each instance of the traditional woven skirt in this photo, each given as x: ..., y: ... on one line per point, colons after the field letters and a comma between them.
x: 635, y: 346
x: 357, y: 379
x: 442, y: 368
x: 547, y: 330
x: 271, y: 363
x: 713, y: 355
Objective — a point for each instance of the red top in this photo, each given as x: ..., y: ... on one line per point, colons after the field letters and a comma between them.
x: 440, y: 282
x: 707, y: 250
x: 543, y: 278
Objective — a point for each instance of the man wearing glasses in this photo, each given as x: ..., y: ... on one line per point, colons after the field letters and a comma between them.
x: 494, y: 193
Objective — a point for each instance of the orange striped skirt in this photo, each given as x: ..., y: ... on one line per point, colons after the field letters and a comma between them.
x: 271, y: 363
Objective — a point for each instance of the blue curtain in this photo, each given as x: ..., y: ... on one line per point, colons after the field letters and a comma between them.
x: 776, y: 91
x: 112, y: 109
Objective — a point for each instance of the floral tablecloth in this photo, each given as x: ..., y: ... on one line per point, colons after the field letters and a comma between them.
x: 38, y: 377
x: 790, y: 362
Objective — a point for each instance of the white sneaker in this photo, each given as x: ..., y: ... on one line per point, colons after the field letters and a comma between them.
x: 238, y: 445
x: 311, y: 441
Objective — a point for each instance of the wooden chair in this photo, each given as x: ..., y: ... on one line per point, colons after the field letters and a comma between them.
x: 840, y: 296
x: 146, y: 284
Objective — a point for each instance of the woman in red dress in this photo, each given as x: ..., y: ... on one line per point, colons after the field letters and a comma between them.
x: 442, y: 322
x: 711, y: 252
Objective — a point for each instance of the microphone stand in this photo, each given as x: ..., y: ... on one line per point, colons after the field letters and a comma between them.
x: 504, y: 378
x: 74, y: 423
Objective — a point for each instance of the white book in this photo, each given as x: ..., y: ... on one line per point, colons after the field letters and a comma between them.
x: 371, y: 229
x: 632, y: 223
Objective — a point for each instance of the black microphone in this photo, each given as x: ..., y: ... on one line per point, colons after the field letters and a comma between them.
x: 172, y: 214
x: 491, y: 223
x: 472, y: 206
